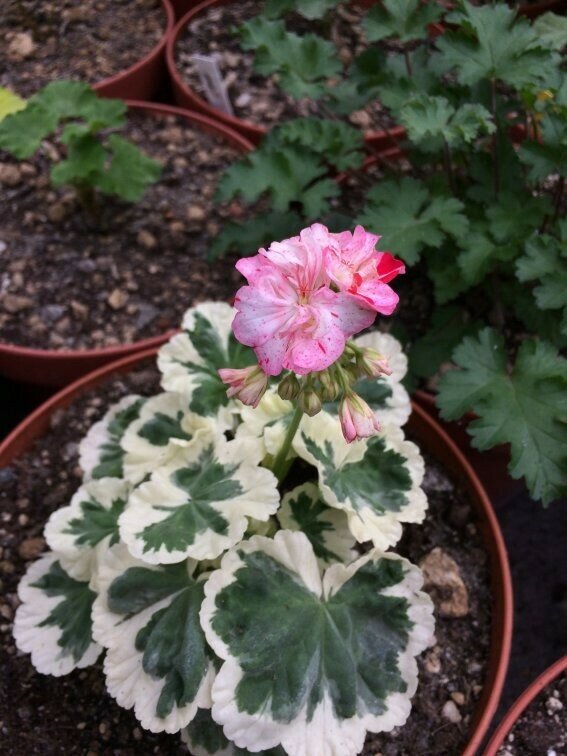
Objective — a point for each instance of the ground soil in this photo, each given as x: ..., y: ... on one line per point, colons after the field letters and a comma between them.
x: 542, y: 729
x: 73, y: 714
x: 68, y: 39
x: 69, y: 280
x: 257, y: 98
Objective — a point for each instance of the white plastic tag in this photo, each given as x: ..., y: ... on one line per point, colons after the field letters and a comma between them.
x: 211, y: 80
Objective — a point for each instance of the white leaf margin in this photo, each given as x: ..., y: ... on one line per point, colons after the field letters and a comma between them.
x: 323, y: 735
x: 80, y: 561
x: 126, y: 681
x: 43, y: 642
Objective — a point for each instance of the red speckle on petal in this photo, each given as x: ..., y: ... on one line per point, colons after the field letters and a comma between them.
x: 321, y: 347
x: 357, y: 279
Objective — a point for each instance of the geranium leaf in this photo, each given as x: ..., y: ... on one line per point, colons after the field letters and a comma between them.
x: 548, y: 155
x: 337, y: 142
x: 376, y: 482
x: 410, y: 218
x: 432, y: 120
x: 189, y: 361
x: 53, y: 622
x: 545, y: 261
x: 406, y: 20
x: 157, y: 660
x: 163, y: 426
x: 130, y: 171
x: 204, y: 737
x: 100, y: 453
x: 304, y: 510
x: 551, y: 30
x: 525, y: 406
x: 10, y: 103
x: 80, y: 532
x: 310, y: 9
x: 198, y: 505
x: 310, y: 691
x: 247, y: 237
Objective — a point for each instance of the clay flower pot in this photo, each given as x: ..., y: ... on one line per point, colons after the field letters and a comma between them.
x: 491, y: 465
x: 432, y: 438
x: 143, y: 79
x: 187, y: 97
x: 43, y: 367
x: 520, y: 706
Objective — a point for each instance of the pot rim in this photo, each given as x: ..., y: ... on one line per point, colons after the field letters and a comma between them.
x: 254, y: 130
x: 54, y: 356
x: 522, y: 703
x: 20, y: 439
x: 154, y: 53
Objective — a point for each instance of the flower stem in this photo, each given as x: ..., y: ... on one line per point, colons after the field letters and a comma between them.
x: 280, y: 466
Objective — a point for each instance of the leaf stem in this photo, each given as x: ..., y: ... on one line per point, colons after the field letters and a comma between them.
x: 407, y: 59
x: 449, y: 167
x: 495, y: 135
x: 281, y: 466
x: 558, y: 197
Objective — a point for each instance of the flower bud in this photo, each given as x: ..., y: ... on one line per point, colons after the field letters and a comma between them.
x: 330, y: 386
x: 357, y: 419
x: 373, y: 364
x: 309, y: 402
x: 247, y: 384
x: 289, y: 387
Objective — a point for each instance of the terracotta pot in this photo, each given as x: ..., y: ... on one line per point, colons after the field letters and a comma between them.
x: 44, y: 367
x: 491, y: 466
x: 433, y: 439
x: 181, y: 7
x: 507, y: 724
x: 143, y: 79
x: 187, y: 97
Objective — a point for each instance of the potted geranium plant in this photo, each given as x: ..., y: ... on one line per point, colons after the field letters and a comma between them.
x: 212, y: 549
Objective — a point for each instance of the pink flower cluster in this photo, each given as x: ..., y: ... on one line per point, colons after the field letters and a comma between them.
x: 307, y: 295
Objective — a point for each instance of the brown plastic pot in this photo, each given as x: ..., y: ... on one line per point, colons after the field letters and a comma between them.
x: 507, y: 724
x: 187, y: 97
x: 491, y: 465
x: 43, y: 367
x: 142, y: 80
x: 181, y: 7
x: 433, y: 439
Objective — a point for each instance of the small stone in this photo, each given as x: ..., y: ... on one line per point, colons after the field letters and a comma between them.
x: 146, y: 314
x: 102, y: 728
x: 13, y: 303
x: 243, y: 100
x: 195, y: 213
x: 31, y: 548
x: 441, y: 574
x: 57, y: 212
x: 451, y: 712
x: 52, y: 313
x: 117, y: 299
x: 21, y: 46
x: 86, y: 266
x: 146, y: 239
x: 177, y: 228
x: 23, y: 519
x: 81, y: 725
x: 137, y: 733
x: 553, y: 705
x: 458, y: 698
x: 10, y: 175
x: 79, y: 310
x: 433, y: 661
x: 361, y: 118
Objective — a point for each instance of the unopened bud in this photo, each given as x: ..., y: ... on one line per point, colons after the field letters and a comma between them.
x: 373, y: 364
x: 289, y: 387
x: 309, y: 402
x: 331, y: 388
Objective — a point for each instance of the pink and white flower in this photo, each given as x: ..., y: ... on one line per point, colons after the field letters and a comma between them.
x: 357, y: 419
x: 288, y: 313
x: 247, y: 384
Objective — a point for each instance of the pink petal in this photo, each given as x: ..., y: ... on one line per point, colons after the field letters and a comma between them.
x: 389, y: 267
x: 308, y: 353
x: 271, y: 355
x: 381, y: 297
x: 259, y: 317
x: 346, y: 312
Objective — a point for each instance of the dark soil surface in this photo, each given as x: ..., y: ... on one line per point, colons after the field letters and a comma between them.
x: 72, y: 281
x: 259, y: 99
x: 542, y: 729
x: 69, y: 39
x: 73, y: 714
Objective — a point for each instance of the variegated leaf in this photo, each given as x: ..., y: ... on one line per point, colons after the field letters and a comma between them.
x: 189, y: 361
x: 312, y: 661
x: 53, y: 622
x: 376, y: 481
x: 147, y: 618
x: 204, y: 737
x: 198, y: 505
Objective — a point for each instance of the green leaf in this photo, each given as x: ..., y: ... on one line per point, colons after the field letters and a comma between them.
x: 376, y: 482
x: 545, y: 261
x: 190, y: 361
x: 548, y: 156
x: 432, y: 120
x: 288, y: 174
x: 100, y: 453
x: 338, y: 143
x: 516, y: 215
x: 84, y: 162
x: 304, y: 510
x: 492, y: 42
x: 303, y: 63
x: 197, y: 505
x: 406, y: 20
x: 157, y: 660
x: 311, y: 690
x: 525, y: 406
x: 448, y: 327
x: 130, y: 171
x: 10, y: 103
x: 551, y: 30
x: 53, y: 622
x: 409, y: 218
x: 247, y: 237
x: 311, y: 9
x: 22, y: 133
x: 74, y: 99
